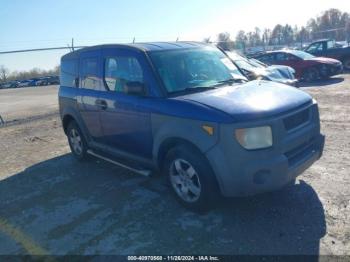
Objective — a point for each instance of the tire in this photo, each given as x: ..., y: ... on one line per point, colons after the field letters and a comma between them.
x: 311, y: 74
x: 77, y: 142
x: 346, y: 63
x: 191, y: 178
x: 324, y: 72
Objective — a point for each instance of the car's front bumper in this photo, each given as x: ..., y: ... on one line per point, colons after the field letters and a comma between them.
x: 242, y: 173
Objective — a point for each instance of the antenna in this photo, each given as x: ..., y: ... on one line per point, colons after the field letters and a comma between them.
x: 73, y: 44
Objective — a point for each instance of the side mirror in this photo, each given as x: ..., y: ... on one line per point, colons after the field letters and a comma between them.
x: 135, y: 88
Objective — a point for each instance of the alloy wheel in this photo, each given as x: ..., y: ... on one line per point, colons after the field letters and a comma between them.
x: 76, y: 142
x: 185, y: 180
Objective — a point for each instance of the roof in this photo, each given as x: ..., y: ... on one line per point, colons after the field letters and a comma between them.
x: 279, y: 51
x: 154, y: 46
x: 322, y: 40
x: 146, y: 47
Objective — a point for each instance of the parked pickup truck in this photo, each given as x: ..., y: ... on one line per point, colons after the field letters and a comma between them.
x: 185, y: 110
x: 329, y: 48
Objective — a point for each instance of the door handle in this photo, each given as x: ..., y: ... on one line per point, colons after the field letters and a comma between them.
x: 101, y: 103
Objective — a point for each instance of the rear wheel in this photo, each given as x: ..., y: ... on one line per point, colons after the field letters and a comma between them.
x: 346, y: 63
x: 76, y: 141
x: 311, y: 74
x: 191, y: 178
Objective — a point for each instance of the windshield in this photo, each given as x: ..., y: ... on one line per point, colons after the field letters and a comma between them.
x: 301, y: 54
x: 194, y: 69
x: 257, y: 63
x: 244, y: 62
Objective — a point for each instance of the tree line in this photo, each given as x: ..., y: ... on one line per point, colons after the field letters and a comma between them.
x: 332, y: 23
x: 6, y: 75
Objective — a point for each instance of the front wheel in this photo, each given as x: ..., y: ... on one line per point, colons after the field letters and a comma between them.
x: 311, y: 74
x: 191, y: 177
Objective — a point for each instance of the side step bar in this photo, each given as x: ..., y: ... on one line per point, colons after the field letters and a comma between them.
x: 138, y: 171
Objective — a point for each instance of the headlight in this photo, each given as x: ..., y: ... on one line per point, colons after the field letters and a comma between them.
x: 254, y: 138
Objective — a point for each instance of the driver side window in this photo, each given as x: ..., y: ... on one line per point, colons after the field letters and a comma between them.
x: 315, y: 47
x: 330, y: 44
x: 119, y: 71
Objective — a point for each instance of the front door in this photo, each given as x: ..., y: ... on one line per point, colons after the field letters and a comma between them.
x: 126, y: 124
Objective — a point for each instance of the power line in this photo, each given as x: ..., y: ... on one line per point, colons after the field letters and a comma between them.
x: 39, y: 49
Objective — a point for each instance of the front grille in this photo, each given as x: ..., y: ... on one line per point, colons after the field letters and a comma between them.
x: 296, y: 120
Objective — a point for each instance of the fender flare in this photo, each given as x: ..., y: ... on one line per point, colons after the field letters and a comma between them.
x: 72, y: 113
x: 182, y: 130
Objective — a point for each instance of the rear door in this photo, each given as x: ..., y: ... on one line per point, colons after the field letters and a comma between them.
x: 90, y: 87
x: 125, y: 121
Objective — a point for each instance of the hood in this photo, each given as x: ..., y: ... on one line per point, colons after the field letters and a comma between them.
x: 253, y: 100
x: 324, y: 60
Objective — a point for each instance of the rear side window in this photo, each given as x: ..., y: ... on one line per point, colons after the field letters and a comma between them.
x: 267, y: 59
x: 69, y: 71
x: 121, y: 70
x: 281, y: 57
x: 89, y: 74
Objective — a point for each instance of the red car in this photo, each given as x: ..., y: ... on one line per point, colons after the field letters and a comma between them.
x: 307, y: 67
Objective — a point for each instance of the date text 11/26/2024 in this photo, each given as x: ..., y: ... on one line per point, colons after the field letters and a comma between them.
x: 173, y: 258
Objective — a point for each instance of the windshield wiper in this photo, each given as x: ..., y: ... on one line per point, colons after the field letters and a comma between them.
x: 194, y: 89
x: 228, y: 81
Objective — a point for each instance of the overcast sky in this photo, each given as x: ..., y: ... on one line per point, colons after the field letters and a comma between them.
x: 49, y: 23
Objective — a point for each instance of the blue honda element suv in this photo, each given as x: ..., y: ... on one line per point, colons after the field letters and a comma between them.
x: 185, y: 110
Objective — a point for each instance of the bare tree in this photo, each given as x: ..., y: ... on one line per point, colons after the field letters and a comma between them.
x: 241, y: 40
x: 206, y: 40
x: 225, y: 41
x: 4, y: 73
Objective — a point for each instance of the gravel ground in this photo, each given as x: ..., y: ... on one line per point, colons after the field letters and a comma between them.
x: 31, y: 102
x: 51, y: 204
